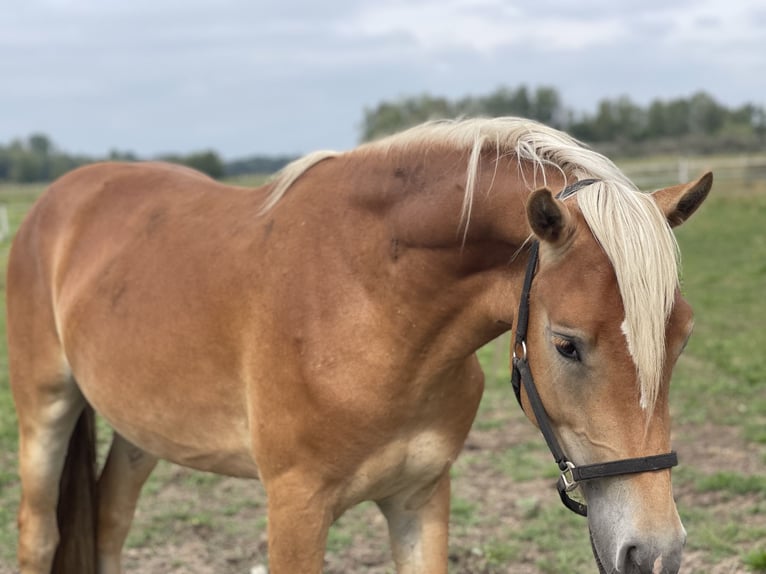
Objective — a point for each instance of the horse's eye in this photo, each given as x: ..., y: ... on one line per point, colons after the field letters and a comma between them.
x: 567, y: 349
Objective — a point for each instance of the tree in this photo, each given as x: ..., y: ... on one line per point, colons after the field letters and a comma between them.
x: 677, y: 117
x: 40, y: 145
x: 706, y: 116
x: 389, y: 117
x: 631, y: 120
x: 207, y: 162
x: 656, y: 121
x: 5, y: 163
x: 605, y: 123
x: 546, y: 106
x: 383, y: 120
x: 40, y: 148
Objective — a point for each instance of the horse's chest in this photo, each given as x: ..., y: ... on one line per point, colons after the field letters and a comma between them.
x: 407, y: 467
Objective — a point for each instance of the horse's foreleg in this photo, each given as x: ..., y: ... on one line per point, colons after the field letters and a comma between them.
x: 299, y: 519
x: 127, y: 468
x: 419, y: 530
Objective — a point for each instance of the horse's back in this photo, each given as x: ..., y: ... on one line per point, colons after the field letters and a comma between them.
x: 89, y: 197
x: 100, y: 226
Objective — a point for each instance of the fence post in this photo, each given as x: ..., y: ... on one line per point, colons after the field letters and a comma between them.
x: 5, y: 229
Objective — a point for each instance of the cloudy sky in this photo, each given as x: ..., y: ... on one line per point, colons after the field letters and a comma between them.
x: 284, y: 76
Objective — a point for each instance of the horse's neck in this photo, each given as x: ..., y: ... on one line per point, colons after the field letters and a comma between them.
x: 456, y: 276
x: 424, y: 194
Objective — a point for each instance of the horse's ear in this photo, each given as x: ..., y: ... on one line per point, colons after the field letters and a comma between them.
x: 680, y: 201
x: 548, y: 217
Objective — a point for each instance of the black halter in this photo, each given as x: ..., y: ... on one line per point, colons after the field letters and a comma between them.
x: 571, y: 475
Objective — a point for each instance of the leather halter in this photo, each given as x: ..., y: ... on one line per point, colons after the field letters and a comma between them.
x: 571, y: 475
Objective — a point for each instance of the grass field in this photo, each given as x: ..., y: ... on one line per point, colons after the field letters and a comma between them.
x: 505, y: 514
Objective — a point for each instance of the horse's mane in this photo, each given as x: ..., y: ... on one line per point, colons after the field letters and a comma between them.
x: 627, y: 224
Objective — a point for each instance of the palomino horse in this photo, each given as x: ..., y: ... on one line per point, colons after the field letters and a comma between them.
x: 319, y: 334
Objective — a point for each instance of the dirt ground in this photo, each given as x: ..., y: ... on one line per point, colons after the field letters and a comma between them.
x: 199, y: 547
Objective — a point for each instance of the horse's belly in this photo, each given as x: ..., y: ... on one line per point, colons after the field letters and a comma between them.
x: 195, y: 432
x: 213, y: 456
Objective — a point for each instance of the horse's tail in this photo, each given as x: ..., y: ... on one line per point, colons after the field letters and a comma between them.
x: 77, y: 510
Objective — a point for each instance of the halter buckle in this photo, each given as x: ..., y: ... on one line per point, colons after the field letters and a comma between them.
x: 523, y: 345
x: 567, y: 479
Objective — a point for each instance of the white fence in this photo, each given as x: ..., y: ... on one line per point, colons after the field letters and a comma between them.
x: 5, y: 228
x: 655, y: 174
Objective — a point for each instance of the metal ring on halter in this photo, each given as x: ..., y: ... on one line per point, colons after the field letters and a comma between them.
x: 567, y: 479
x: 523, y: 350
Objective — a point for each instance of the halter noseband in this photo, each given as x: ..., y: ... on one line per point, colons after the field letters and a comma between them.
x: 571, y: 475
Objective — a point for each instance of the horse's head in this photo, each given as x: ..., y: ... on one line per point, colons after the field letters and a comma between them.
x: 607, y: 324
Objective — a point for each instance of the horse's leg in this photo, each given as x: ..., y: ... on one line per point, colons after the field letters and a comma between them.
x: 299, y: 520
x: 127, y: 468
x: 47, y: 413
x: 419, y: 530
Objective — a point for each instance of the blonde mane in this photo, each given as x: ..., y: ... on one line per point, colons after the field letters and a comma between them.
x: 286, y: 177
x: 627, y: 224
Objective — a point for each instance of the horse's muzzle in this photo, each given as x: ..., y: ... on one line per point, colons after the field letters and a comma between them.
x: 651, y: 556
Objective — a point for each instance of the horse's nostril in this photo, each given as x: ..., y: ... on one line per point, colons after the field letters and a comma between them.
x: 630, y: 563
x: 648, y: 559
x: 635, y: 559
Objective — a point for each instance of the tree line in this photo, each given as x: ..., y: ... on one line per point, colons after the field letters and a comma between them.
x: 697, y: 124
x: 36, y: 158
x: 694, y: 124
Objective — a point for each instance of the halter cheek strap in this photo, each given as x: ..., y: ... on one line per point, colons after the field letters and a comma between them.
x: 571, y: 475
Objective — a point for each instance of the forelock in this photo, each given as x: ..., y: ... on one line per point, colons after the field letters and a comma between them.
x: 642, y: 249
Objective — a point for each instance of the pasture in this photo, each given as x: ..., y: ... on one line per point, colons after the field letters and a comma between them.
x: 506, y: 516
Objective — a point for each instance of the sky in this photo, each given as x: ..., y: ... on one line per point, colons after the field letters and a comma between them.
x: 246, y: 77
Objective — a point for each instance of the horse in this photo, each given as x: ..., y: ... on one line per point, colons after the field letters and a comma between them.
x: 319, y: 333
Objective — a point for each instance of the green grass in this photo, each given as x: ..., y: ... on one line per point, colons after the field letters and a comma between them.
x: 732, y: 483
x: 525, y: 461
x: 721, y: 379
x: 559, y: 538
x: 501, y: 552
x: 720, y: 539
x: 756, y: 560
x: 463, y: 512
x: 339, y: 537
x: 724, y: 258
